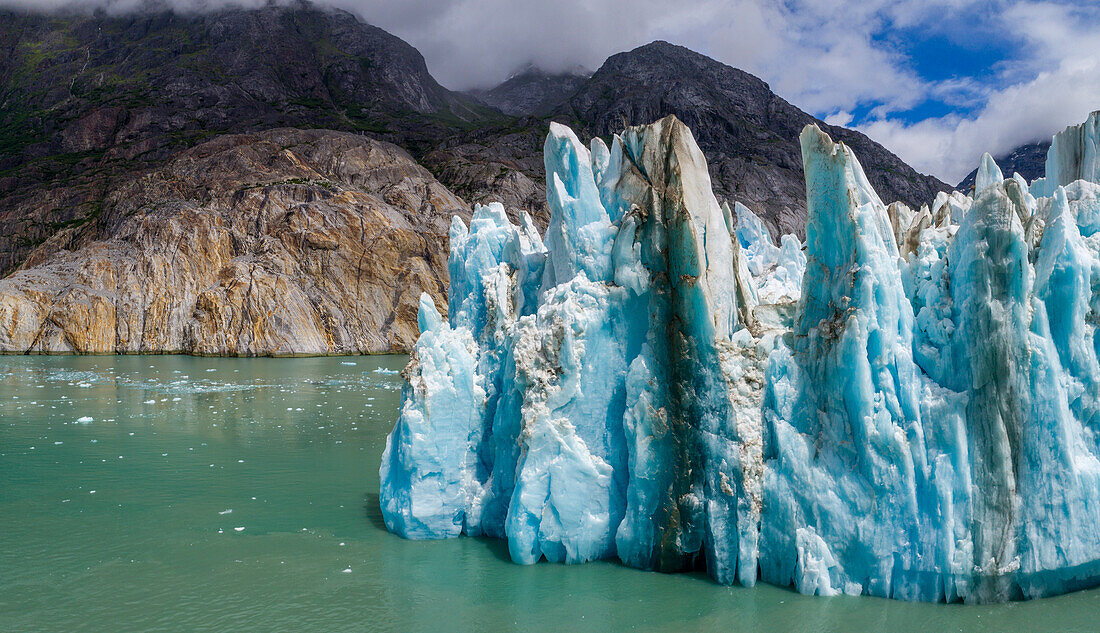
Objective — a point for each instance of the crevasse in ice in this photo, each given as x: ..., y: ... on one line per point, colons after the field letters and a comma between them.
x: 906, y: 407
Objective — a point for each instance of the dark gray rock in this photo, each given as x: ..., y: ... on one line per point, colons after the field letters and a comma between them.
x: 532, y: 91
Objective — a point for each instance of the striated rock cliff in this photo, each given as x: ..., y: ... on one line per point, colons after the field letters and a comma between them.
x: 274, y: 243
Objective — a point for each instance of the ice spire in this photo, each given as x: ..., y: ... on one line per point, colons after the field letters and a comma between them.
x: 848, y: 393
x: 1072, y: 156
x: 989, y: 174
x: 580, y: 232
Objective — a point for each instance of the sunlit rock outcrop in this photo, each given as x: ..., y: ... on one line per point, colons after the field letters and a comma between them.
x: 907, y: 407
x: 281, y: 242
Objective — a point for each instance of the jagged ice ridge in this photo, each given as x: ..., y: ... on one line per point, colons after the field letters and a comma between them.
x: 906, y: 408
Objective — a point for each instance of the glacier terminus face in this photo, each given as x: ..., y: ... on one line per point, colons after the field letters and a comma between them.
x: 906, y: 406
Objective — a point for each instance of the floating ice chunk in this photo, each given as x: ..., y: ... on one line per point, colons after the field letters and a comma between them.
x: 87, y: 419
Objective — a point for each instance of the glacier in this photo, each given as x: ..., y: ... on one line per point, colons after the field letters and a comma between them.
x: 907, y: 406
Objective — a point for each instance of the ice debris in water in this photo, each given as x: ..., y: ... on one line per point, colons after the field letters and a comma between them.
x: 907, y: 407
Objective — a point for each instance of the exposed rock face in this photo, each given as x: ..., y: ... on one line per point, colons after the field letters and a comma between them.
x: 281, y: 242
x: 497, y: 165
x: 87, y: 99
x: 749, y: 134
x: 98, y: 184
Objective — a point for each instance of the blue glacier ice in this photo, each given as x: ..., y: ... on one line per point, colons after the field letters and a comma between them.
x: 777, y: 271
x: 989, y: 175
x: 906, y: 406
x: 1072, y: 157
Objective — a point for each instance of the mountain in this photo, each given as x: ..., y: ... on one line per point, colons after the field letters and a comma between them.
x: 87, y: 97
x: 748, y: 133
x: 532, y: 91
x: 125, y: 137
x: 1029, y: 160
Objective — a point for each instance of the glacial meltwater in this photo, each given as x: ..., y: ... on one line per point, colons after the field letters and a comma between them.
x: 171, y: 493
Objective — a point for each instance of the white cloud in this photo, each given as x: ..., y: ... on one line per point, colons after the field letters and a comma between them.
x: 841, y: 118
x: 818, y: 53
x: 477, y: 43
x: 127, y: 6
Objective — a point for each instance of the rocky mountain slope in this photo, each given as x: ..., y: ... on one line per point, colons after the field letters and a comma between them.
x: 280, y: 242
x: 1029, y: 160
x: 532, y: 91
x: 748, y: 133
x: 87, y: 97
x: 126, y: 137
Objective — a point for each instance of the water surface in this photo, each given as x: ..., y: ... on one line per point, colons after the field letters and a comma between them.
x: 171, y: 493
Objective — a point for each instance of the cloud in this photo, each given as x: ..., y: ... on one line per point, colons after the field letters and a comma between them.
x: 129, y: 6
x: 477, y: 43
x: 841, y: 118
x: 819, y: 53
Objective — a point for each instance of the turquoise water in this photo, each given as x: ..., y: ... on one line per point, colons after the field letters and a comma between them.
x: 241, y: 495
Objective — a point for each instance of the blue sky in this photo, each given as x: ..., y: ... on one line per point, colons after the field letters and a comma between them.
x: 938, y: 82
